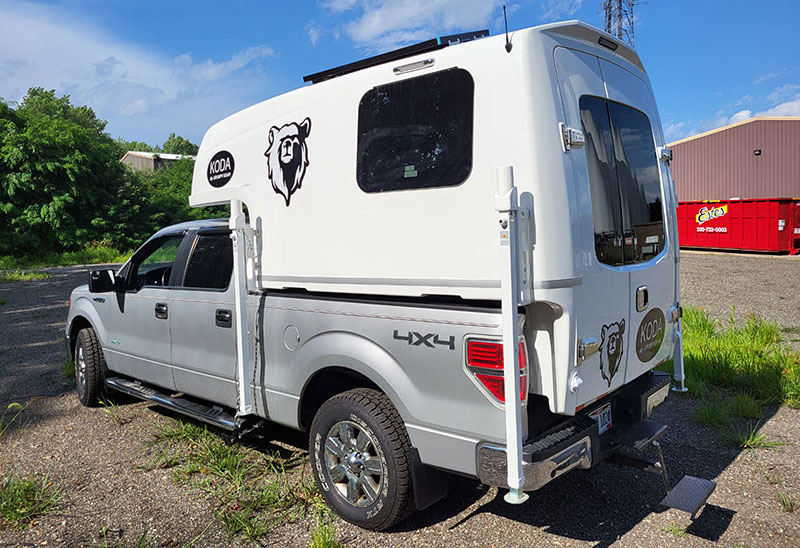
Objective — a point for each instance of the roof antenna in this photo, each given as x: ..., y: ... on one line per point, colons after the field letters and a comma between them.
x: 508, y: 42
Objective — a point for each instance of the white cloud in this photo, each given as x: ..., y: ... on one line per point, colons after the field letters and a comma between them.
x: 380, y: 25
x: 788, y: 108
x: 143, y: 93
x: 559, y: 9
x: 740, y: 116
x: 314, y: 31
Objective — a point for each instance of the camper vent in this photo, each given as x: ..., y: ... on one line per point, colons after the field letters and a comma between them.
x: 402, y: 53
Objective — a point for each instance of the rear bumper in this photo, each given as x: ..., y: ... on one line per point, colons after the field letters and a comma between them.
x: 575, y: 442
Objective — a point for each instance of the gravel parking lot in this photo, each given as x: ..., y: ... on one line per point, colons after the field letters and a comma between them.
x: 98, y: 462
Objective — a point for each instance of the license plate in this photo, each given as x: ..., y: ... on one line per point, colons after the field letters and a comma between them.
x: 603, y: 417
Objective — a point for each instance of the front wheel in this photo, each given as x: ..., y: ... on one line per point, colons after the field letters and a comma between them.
x: 90, y: 367
x: 360, y: 455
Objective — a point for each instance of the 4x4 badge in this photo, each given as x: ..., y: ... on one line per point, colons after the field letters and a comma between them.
x: 429, y: 340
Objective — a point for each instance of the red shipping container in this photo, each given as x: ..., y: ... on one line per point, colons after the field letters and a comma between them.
x: 750, y: 225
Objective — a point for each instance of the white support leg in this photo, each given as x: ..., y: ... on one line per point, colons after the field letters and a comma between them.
x: 506, y: 203
x: 238, y: 225
x: 678, y: 373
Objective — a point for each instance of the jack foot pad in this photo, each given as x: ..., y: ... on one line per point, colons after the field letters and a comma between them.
x: 515, y: 496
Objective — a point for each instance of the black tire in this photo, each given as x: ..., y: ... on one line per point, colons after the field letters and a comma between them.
x: 369, y: 412
x: 90, y: 367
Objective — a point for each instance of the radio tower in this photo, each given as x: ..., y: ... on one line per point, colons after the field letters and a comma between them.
x: 619, y: 18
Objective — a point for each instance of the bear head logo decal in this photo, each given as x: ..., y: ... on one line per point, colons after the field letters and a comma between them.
x: 287, y: 157
x: 611, y: 348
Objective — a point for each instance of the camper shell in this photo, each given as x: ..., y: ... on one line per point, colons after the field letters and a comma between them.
x: 475, y: 235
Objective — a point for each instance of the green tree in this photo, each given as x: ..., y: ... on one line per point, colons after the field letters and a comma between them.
x: 59, y: 171
x: 175, y: 144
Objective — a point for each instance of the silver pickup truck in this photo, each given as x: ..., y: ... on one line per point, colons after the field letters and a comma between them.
x: 391, y: 393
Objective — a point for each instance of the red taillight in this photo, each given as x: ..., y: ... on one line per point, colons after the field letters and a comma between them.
x: 488, y: 355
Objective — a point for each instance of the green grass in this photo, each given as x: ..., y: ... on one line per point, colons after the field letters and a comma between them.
x: 141, y: 542
x: 675, y: 530
x: 786, y: 501
x: 113, y: 411
x: 91, y: 254
x: 748, y: 437
x: 747, y: 357
x: 746, y: 406
x: 251, y: 491
x: 324, y: 536
x: 22, y: 499
x: 68, y: 368
x: 2, y: 301
x: 10, y: 415
x: 18, y: 275
x: 712, y: 412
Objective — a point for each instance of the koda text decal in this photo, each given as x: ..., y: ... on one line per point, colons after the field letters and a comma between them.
x: 287, y: 157
x: 220, y: 168
x: 650, y: 335
x: 611, y: 349
x: 708, y: 213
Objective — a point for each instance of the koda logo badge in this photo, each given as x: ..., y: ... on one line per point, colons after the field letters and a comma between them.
x: 220, y: 169
x: 287, y: 157
x: 650, y: 335
x: 708, y: 213
x: 611, y: 349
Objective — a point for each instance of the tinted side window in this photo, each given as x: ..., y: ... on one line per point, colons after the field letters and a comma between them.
x: 624, y: 182
x: 416, y: 133
x: 211, y: 262
x: 153, y: 265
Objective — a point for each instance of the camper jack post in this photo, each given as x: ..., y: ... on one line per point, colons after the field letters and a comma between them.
x: 238, y: 225
x: 506, y: 203
x: 678, y: 373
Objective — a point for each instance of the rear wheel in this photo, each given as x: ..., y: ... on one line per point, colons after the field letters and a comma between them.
x: 90, y: 367
x: 360, y: 457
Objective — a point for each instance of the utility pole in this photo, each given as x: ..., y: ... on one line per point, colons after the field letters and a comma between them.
x: 618, y: 17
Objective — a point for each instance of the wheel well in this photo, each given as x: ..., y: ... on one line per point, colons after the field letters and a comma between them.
x: 325, y: 384
x: 78, y: 323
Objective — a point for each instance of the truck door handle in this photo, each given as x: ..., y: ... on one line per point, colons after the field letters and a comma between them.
x: 642, y: 298
x: 223, y: 318
x: 161, y: 311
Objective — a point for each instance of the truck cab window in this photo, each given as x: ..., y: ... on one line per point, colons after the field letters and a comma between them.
x: 211, y: 262
x: 624, y: 182
x: 154, y: 267
x: 416, y: 133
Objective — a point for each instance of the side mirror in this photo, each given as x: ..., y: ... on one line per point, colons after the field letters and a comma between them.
x: 102, y: 281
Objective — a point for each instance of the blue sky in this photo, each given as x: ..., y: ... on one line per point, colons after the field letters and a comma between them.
x: 151, y: 68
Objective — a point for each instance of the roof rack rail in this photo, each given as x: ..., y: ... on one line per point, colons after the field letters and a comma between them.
x: 408, y: 51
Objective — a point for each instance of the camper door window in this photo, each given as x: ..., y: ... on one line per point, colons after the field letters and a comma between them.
x: 416, y: 133
x: 624, y: 182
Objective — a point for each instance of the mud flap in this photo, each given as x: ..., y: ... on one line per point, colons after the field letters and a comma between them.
x: 430, y: 485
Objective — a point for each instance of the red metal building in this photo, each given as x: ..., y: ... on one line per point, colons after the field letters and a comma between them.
x: 739, y: 186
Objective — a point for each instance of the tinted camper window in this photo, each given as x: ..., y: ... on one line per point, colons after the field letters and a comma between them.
x: 623, y: 181
x: 416, y: 133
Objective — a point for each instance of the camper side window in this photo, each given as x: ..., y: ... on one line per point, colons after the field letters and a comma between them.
x: 416, y: 133
x: 624, y: 182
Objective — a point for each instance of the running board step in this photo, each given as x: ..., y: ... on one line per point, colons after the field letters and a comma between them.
x: 690, y: 494
x: 639, y: 436
x: 214, y: 415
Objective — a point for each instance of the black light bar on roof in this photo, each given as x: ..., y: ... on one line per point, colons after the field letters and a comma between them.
x: 408, y: 51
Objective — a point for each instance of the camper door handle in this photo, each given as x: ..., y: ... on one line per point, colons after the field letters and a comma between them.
x: 223, y: 318
x: 161, y: 311
x: 586, y: 348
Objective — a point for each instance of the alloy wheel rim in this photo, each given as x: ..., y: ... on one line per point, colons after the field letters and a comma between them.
x: 354, y: 464
x: 80, y: 368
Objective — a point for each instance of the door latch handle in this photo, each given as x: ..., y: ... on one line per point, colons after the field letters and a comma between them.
x: 586, y: 348
x: 161, y: 311
x: 642, y: 298
x: 223, y: 318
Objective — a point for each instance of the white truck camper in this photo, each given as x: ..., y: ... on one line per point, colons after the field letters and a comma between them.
x: 474, y: 238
